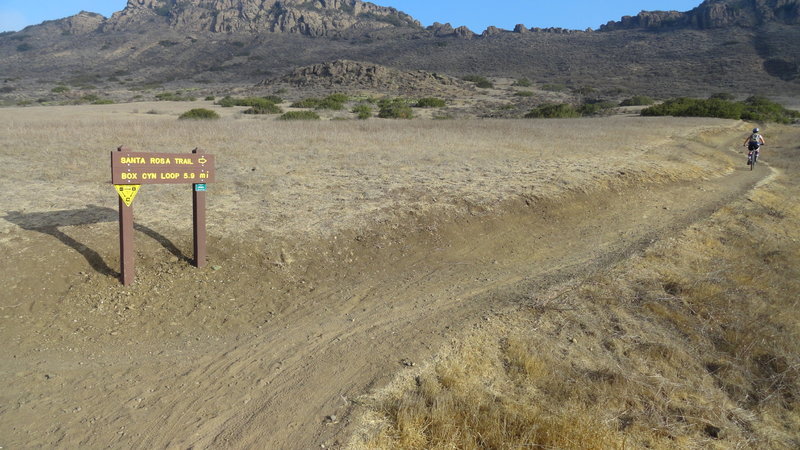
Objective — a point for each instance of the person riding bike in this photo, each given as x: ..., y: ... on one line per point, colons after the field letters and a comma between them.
x: 753, y: 143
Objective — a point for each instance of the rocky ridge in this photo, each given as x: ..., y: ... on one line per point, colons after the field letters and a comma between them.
x: 360, y: 75
x: 715, y: 14
x: 306, y: 17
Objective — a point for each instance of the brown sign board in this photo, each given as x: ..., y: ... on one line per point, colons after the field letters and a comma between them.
x: 128, y: 167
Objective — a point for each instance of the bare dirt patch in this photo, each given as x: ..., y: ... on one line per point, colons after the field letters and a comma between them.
x: 340, y: 254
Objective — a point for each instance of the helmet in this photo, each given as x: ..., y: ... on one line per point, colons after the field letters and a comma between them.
x: 755, y: 130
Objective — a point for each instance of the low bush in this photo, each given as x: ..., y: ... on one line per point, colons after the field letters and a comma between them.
x: 724, y: 96
x: 333, y: 102
x: 523, y: 94
x: 523, y: 82
x: 89, y: 98
x: 299, y: 115
x: 199, y: 114
x: 174, y: 97
x: 430, y: 102
x: 753, y: 109
x: 397, y: 108
x: 310, y: 102
x: 637, y: 100
x: 479, y: 81
x: 553, y: 111
x: 596, y: 108
x: 363, y: 111
x: 266, y: 108
x: 60, y: 89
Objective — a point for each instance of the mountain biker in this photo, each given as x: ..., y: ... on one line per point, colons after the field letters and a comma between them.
x: 754, y: 142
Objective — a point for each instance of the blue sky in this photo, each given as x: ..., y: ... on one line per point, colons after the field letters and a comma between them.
x: 477, y: 15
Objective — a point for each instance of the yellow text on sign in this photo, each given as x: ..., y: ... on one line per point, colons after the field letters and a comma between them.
x: 127, y: 192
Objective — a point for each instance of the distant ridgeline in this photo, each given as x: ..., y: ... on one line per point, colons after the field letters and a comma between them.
x: 336, y: 17
x: 715, y: 14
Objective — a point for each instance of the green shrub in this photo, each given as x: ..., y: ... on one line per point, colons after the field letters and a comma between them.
x: 333, y: 102
x: 430, y: 102
x: 637, y: 100
x: 299, y: 115
x: 692, y: 107
x: 199, y: 114
x: 523, y: 82
x: 60, y: 89
x: 210, y: 98
x: 173, y: 97
x: 310, y: 102
x: 523, y: 94
x: 264, y: 103
x: 753, y: 109
x: 553, y: 111
x: 24, y: 47
x: 479, y: 81
x: 397, y: 108
x: 265, y: 108
x: 723, y: 96
x: 764, y: 110
x: 363, y: 111
x: 338, y: 97
x: 89, y: 98
x: 103, y: 101
x: 596, y: 108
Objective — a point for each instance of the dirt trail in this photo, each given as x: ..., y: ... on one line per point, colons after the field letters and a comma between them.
x: 311, y: 334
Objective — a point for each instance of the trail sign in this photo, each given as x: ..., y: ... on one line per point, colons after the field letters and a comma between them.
x: 129, y: 170
x: 127, y: 192
x: 129, y: 167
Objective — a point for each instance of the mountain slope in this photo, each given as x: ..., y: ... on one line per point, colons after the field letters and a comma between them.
x: 738, y: 46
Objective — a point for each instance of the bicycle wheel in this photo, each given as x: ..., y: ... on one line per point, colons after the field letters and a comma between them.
x: 753, y: 160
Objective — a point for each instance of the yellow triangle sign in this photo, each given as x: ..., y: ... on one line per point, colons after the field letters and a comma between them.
x: 127, y: 192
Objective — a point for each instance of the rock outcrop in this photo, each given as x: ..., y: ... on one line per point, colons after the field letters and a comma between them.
x: 714, y: 14
x: 358, y: 75
x: 81, y: 23
x: 307, y: 17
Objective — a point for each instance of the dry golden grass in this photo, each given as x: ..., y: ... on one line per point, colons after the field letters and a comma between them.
x: 693, y: 344
x: 285, y: 178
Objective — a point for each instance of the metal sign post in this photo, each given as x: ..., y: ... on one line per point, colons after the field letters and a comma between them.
x: 199, y: 216
x: 130, y: 170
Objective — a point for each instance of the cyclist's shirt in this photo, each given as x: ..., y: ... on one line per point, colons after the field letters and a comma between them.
x: 755, y: 141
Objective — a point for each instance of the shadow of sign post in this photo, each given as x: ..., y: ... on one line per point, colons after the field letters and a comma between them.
x: 130, y: 170
x: 51, y: 222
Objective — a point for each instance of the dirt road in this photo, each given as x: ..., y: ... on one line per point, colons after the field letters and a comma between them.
x: 272, y: 348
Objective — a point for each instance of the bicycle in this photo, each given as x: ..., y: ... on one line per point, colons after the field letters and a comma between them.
x: 752, y: 155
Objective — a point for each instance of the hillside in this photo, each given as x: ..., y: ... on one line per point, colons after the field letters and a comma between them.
x: 754, y: 49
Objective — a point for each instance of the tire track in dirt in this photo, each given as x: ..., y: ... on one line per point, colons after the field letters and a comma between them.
x: 405, y: 313
x: 279, y: 386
